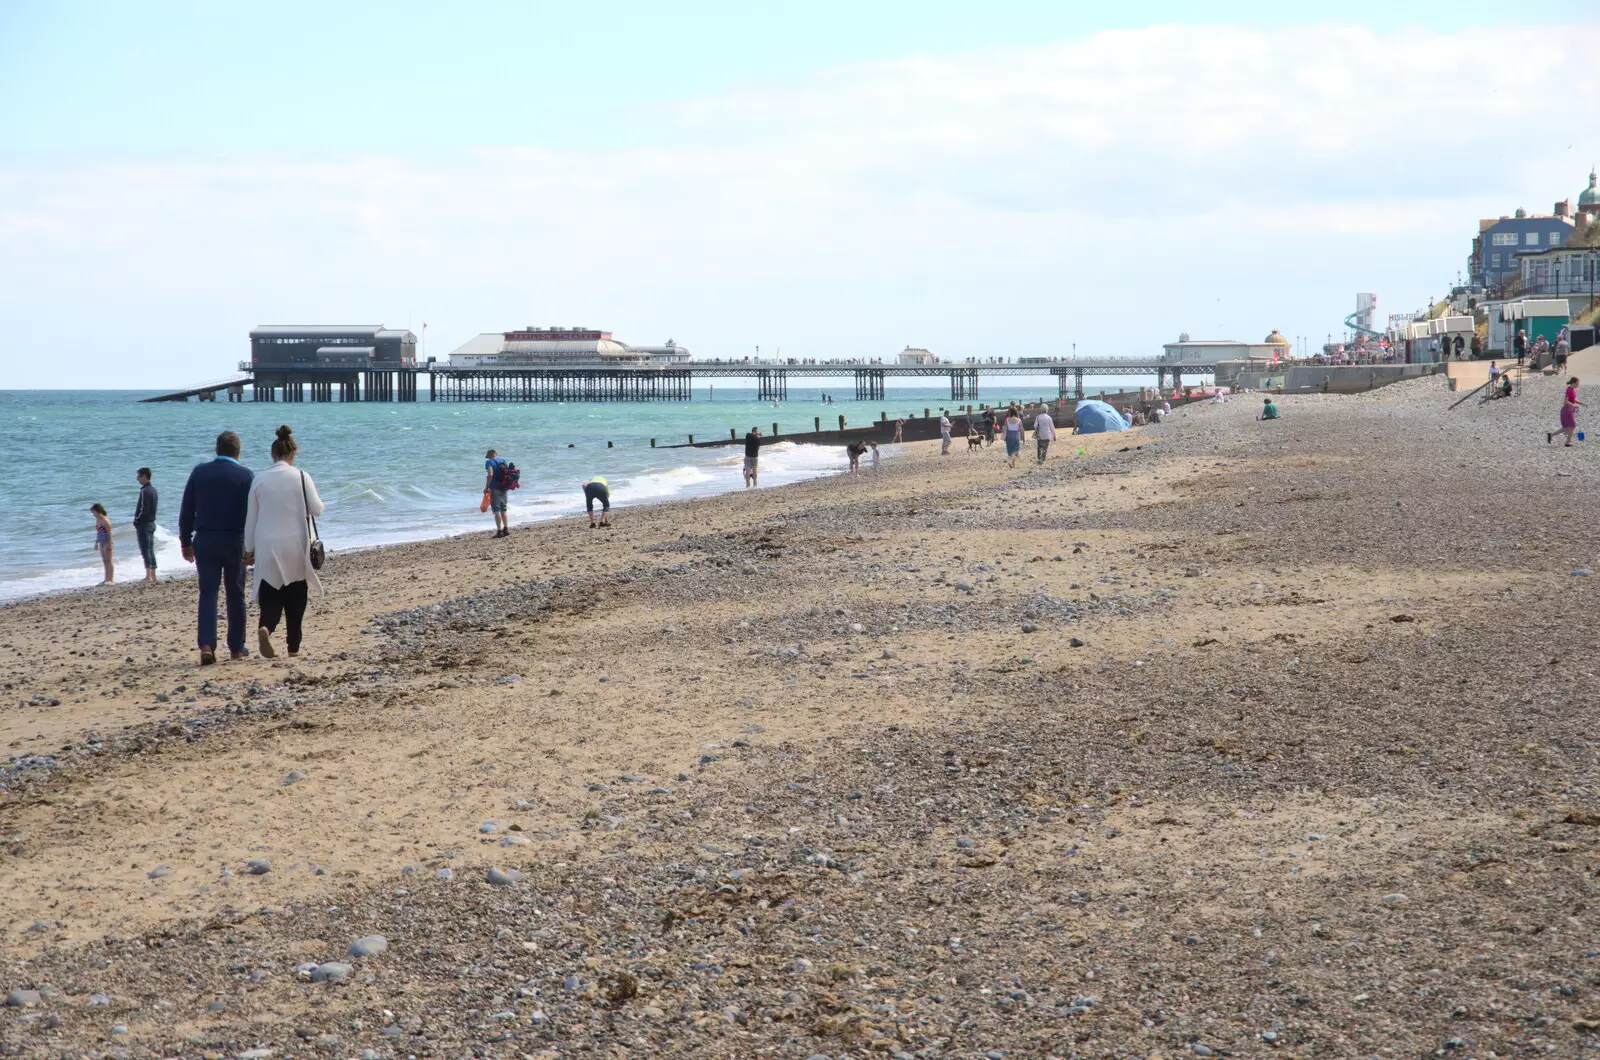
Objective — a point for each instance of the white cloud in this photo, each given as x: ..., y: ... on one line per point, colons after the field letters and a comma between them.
x: 1109, y: 191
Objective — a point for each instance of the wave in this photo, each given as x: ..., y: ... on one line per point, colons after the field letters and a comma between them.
x: 651, y: 484
x: 126, y: 562
x: 367, y: 514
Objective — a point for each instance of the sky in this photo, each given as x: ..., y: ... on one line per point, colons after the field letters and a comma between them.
x: 823, y: 179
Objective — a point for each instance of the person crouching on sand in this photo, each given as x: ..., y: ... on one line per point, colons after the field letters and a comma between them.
x: 597, y: 489
x: 1569, y: 415
x: 854, y: 452
x: 102, y: 538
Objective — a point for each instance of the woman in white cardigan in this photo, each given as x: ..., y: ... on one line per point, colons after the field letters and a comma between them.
x: 277, y: 539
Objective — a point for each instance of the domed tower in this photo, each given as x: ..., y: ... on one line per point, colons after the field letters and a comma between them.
x: 1589, y: 198
x: 1281, y: 346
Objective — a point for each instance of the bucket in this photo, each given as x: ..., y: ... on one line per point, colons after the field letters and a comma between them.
x: 1580, y: 436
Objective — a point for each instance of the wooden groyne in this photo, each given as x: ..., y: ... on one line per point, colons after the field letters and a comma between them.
x: 915, y: 428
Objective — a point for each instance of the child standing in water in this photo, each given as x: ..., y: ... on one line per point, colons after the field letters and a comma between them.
x: 102, y: 537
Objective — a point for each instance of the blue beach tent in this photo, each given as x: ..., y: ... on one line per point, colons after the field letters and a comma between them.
x: 1096, y: 417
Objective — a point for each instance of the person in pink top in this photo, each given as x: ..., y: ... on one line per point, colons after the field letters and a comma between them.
x: 1569, y: 414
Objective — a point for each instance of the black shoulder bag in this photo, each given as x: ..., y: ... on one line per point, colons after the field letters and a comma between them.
x: 319, y: 552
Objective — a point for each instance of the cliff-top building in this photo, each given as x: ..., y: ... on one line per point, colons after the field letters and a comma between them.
x: 1501, y: 241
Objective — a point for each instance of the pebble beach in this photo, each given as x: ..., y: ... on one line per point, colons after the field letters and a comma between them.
x: 1216, y: 738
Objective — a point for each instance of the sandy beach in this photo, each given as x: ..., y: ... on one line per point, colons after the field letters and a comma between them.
x: 1223, y: 738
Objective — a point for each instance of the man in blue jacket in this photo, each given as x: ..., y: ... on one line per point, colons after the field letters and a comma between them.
x: 211, y: 531
x: 144, y: 523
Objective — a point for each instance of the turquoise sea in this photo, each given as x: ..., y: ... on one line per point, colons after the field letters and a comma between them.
x: 388, y: 472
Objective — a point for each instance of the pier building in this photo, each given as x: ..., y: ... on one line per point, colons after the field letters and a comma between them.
x: 557, y: 346
x: 334, y: 362
x: 290, y: 345
x: 1187, y: 351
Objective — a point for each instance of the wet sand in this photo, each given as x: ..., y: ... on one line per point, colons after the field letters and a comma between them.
x: 1228, y: 736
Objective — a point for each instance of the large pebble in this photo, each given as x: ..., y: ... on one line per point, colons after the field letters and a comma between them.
x: 258, y: 867
x: 368, y: 946
x: 332, y: 972
x: 23, y: 999
x: 503, y: 877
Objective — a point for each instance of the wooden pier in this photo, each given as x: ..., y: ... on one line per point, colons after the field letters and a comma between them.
x: 607, y: 383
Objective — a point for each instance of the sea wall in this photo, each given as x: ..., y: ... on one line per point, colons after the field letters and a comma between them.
x: 1334, y: 379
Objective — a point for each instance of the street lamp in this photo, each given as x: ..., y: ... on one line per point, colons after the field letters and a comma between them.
x: 1593, y: 258
x: 1557, y: 264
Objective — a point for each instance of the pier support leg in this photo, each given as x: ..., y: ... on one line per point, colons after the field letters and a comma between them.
x: 1077, y: 383
x: 869, y: 384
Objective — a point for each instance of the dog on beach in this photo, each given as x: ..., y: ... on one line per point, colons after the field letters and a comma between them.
x: 974, y: 443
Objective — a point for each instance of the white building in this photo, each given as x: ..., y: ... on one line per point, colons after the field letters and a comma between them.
x: 561, y: 347
x: 1210, y: 351
x: 916, y: 355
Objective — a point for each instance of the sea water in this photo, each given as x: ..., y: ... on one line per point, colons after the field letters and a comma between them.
x: 388, y: 472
